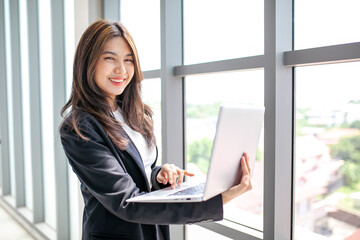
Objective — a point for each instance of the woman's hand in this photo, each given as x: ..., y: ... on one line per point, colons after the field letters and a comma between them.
x: 169, y: 173
x: 244, y: 185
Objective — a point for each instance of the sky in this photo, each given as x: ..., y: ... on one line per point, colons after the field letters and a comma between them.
x: 234, y: 29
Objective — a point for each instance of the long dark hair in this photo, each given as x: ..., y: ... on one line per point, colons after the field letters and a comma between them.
x: 86, y: 96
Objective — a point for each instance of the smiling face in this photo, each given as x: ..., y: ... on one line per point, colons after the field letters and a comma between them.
x: 114, y: 68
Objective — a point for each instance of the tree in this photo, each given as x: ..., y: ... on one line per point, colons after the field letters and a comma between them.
x: 355, y: 124
x: 202, y: 110
x: 199, y: 152
x: 348, y: 149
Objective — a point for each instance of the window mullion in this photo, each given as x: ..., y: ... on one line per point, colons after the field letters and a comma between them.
x: 59, y: 99
x: 246, y: 63
x: 172, y: 96
x: 4, y: 129
x: 323, y: 55
x: 278, y: 121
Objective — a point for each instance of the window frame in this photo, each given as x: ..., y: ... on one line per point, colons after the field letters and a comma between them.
x: 278, y: 63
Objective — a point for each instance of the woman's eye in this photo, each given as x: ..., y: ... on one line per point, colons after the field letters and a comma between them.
x: 129, y: 60
x: 109, y: 58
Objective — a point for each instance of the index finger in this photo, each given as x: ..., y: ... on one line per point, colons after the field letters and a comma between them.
x: 187, y: 173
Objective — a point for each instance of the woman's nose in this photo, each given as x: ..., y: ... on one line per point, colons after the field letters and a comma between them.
x: 120, y: 69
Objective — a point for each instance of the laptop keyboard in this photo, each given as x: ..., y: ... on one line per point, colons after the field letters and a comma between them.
x: 190, y: 191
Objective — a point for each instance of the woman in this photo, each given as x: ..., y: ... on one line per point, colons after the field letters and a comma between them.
x: 108, y: 138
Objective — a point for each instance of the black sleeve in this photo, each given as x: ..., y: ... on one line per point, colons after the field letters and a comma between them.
x: 155, y: 184
x: 106, y: 178
x: 154, y: 172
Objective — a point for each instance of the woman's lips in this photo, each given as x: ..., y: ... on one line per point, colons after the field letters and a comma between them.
x: 117, y: 80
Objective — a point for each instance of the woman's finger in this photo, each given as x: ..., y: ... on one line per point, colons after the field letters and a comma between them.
x: 170, y: 175
x: 187, y: 173
x: 246, y: 179
x: 247, y: 160
x: 162, y: 176
x: 165, y: 176
x: 244, y: 166
x: 181, y: 178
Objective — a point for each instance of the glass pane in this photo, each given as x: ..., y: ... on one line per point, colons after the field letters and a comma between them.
x: 76, y: 202
x: 10, y: 96
x: 47, y: 110
x: 151, y: 94
x: 327, y: 183
x: 245, y: 87
x: 324, y: 22
x: 146, y: 33
x: 69, y: 43
x: 218, y: 30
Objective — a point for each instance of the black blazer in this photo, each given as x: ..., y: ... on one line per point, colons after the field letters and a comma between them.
x: 109, y: 176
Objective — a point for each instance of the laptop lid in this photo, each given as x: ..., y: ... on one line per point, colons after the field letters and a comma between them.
x: 238, y: 131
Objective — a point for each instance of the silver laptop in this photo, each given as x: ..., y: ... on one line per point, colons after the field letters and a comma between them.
x: 238, y: 131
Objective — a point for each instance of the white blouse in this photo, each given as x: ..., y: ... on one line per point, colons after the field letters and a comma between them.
x: 148, y: 155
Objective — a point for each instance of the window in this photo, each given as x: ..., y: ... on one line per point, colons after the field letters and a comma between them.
x: 47, y: 107
x: 204, y: 95
x: 144, y: 25
x: 25, y: 87
x: 218, y: 30
x: 327, y: 157
x: 151, y: 95
x: 322, y: 22
x: 10, y: 95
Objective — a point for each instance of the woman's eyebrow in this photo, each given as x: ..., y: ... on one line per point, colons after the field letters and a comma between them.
x: 109, y: 52
x: 112, y: 53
